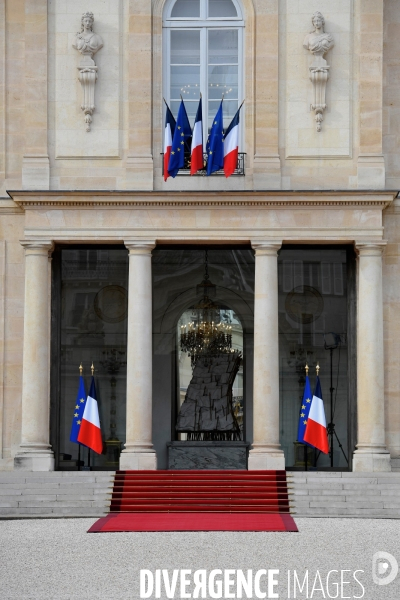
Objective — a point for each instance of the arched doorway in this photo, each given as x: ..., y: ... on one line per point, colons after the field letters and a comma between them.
x: 187, y: 375
x: 177, y: 271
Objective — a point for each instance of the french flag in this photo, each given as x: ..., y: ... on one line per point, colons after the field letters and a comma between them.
x: 316, y: 434
x: 231, y: 145
x: 197, y: 162
x: 168, y: 135
x: 90, y: 432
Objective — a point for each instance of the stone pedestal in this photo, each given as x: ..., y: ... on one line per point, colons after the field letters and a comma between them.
x: 35, y: 453
x: 371, y: 453
x: 266, y: 452
x: 207, y: 455
x: 139, y: 452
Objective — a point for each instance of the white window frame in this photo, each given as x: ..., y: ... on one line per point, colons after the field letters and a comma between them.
x: 203, y: 24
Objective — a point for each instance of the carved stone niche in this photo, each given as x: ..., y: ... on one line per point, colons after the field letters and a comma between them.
x: 318, y: 43
x: 87, y: 43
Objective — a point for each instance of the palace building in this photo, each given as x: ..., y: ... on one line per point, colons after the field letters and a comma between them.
x: 200, y: 299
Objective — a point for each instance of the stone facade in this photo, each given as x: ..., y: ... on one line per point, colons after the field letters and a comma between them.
x: 62, y: 184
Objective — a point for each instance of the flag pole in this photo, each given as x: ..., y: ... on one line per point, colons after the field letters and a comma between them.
x: 92, y: 371
x: 307, y: 368
x: 79, y: 446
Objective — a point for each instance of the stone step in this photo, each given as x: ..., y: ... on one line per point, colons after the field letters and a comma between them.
x: 63, y: 504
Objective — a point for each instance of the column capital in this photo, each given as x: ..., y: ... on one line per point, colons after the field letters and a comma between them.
x: 41, y: 247
x: 266, y: 248
x: 370, y: 248
x: 140, y: 246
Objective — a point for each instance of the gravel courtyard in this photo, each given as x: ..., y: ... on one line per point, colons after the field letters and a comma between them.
x: 57, y: 559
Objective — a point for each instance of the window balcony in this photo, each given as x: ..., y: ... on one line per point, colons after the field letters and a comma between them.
x: 239, y: 171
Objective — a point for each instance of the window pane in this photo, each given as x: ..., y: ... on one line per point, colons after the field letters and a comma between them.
x: 185, y: 81
x: 229, y: 109
x: 185, y: 47
x: 191, y: 108
x: 186, y: 8
x: 223, y: 46
x: 221, y: 8
x: 223, y: 80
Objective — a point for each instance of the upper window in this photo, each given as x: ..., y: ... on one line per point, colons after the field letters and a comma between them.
x: 202, y: 53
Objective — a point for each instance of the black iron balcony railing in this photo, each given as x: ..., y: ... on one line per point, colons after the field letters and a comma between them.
x: 239, y: 171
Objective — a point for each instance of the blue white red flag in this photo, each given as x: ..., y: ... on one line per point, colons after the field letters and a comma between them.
x: 170, y: 124
x: 215, y: 143
x: 90, y: 431
x: 181, y: 142
x: 231, y: 145
x: 304, y: 411
x: 316, y: 434
x: 197, y: 162
x: 78, y: 411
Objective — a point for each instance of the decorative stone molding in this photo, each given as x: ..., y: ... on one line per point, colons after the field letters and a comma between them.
x: 318, y: 42
x: 87, y: 43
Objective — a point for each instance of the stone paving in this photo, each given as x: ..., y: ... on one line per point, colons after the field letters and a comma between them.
x: 56, y: 559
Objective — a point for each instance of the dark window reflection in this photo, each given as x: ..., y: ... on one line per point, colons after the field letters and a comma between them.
x: 312, y: 304
x: 94, y: 310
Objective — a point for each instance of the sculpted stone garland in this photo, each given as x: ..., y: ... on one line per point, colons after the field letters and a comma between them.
x: 318, y: 42
x: 87, y: 43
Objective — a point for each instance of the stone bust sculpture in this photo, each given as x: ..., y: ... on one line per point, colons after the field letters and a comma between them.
x: 87, y: 42
x: 318, y: 42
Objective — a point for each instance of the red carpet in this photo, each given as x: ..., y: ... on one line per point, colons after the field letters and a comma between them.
x: 193, y: 522
x: 198, y: 501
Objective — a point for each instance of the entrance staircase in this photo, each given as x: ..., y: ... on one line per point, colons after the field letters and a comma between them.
x: 344, y: 494
x: 200, y: 491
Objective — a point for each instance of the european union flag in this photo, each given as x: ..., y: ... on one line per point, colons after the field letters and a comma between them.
x: 78, y: 411
x: 181, y: 142
x: 215, y: 143
x: 304, y: 411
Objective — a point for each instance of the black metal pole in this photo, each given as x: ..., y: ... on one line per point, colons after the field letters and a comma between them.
x: 79, y: 458
x: 331, y: 423
x: 89, y: 458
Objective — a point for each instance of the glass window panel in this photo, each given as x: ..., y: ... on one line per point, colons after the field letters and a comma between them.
x: 186, y: 8
x: 309, y: 308
x: 185, y: 81
x: 191, y: 108
x: 221, y: 8
x: 223, y: 46
x: 185, y: 47
x: 94, y: 310
x: 223, y: 80
x: 229, y: 110
x: 180, y: 270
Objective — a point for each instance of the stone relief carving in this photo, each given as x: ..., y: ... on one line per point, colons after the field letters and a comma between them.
x: 87, y: 43
x: 318, y: 42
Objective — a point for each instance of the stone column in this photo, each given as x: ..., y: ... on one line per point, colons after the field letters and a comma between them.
x: 371, y: 453
x: 35, y: 453
x: 266, y: 452
x: 139, y: 451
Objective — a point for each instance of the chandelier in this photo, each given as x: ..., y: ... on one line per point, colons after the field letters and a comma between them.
x: 206, y: 335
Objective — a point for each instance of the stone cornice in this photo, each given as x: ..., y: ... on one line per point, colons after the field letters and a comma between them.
x: 246, y: 199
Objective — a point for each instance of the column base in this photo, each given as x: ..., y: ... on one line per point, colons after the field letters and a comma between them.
x: 266, y: 461
x: 371, y: 461
x: 138, y: 461
x: 34, y: 461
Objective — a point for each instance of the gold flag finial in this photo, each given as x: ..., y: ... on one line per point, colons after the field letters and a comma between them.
x: 317, y: 368
x: 80, y: 369
x: 306, y: 368
x: 92, y: 369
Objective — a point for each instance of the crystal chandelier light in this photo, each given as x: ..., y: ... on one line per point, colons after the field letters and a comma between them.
x: 206, y: 336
